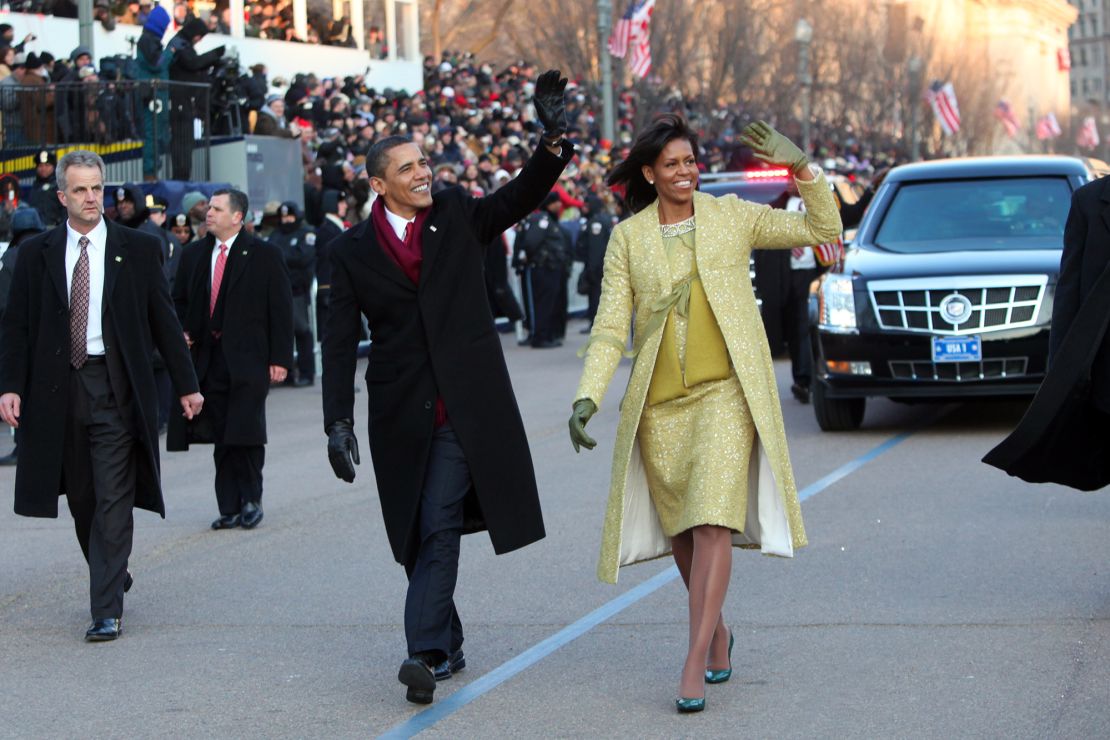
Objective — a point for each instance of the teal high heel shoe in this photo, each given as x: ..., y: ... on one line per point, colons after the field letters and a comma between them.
x: 722, y: 675
x: 686, y: 706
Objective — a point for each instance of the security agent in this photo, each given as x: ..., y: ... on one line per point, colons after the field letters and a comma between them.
x: 593, y: 240
x: 297, y: 243
x: 546, y: 250
x: 44, y: 190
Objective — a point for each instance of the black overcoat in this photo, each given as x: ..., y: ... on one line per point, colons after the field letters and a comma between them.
x: 437, y: 337
x: 1062, y: 438
x: 34, y: 358
x: 257, y: 329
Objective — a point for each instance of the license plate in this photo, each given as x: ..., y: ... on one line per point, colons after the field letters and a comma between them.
x: 957, y: 349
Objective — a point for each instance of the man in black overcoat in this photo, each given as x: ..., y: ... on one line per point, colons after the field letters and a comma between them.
x: 1062, y: 437
x: 88, y: 307
x: 234, y: 300
x: 446, y: 437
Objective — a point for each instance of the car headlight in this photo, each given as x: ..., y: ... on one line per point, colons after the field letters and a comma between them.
x: 837, y: 309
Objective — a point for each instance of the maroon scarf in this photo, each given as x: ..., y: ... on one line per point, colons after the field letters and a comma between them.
x: 408, y: 254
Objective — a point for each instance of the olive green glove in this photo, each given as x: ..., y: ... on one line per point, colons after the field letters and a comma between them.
x: 772, y: 147
x: 584, y: 408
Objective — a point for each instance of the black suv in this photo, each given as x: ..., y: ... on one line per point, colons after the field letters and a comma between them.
x: 946, y: 290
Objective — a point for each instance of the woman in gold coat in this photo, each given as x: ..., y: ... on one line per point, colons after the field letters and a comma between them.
x: 700, y: 461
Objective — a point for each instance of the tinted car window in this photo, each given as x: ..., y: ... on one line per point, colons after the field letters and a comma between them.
x: 960, y: 215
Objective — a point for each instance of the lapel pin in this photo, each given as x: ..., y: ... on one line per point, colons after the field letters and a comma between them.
x: 119, y: 259
x: 433, y: 228
x: 244, y: 253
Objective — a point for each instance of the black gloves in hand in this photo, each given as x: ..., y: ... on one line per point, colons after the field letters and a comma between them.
x: 551, y: 107
x: 343, y: 449
x: 584, y: 408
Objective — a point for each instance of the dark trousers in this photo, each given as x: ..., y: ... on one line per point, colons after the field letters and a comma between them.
x: 797, y: 325
x: 164, y: 386
x: 595, y: 300
x: 549, y: 319
x: 431, y: 620
x: 98, y: 466
x: 302, y: 338
x: 181, y: 146
x: 238, y: 467
x: 323, y: 297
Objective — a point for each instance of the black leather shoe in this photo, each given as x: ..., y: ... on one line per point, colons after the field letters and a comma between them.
x: 418, y: 676
x: 304, y: 382
x: 128, y: 582
x: 9, y: 459
x: 801, y: 393
x: 549, y: 344
x: 231, y: 521
x: 103, y: 630
x: 450, y: 666
x: 251, y: 516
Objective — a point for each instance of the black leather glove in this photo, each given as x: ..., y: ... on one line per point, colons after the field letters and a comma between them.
x: 551, y: 106
x: 343, y: 449
x: 584, y: 408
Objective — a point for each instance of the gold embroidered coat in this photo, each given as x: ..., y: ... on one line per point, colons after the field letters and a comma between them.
x: 636, y: 276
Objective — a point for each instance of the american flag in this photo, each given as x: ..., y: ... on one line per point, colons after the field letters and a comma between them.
x: 1088, y: 134
x: 1063, y: 59
x: 1048, y: 127
x: 618, y: 39
x: 1003, y: 112
x: 942, y: 96
x: 639, y: 39
x: 830, y: 253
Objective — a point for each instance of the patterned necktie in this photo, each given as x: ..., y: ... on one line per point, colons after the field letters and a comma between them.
x: 407, y: 235
x: 217, y: 278
x: 79, y: 307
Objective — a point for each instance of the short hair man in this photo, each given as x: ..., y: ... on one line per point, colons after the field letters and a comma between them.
x: 90, y: 429
x: 439, y: 387
x: 233, y: 298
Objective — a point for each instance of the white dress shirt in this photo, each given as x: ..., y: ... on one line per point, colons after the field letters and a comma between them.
x: 98, y: 239
x: 398, y: 223
x: 216, y: 254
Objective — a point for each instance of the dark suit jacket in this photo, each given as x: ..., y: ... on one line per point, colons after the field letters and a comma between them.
x: 433, y: 339
x: 1062, y: 437
x: 256, y: 326
x: 34, y: 358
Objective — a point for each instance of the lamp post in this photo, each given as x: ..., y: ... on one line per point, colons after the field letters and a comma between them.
x: 604, y: 26
x: 914, y: 68
x: 803, y: 34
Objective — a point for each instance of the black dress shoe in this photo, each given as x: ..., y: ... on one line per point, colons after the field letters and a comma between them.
x: 128, y: 582
x: 548, y: 344
x: 304, y: 382
x: 450, y: 666
x: 251, y: 516
x: 9, y: 459
x: 103, y: 630
x: 801, y: 393
x: 231, y: 521
x: 421, y: 681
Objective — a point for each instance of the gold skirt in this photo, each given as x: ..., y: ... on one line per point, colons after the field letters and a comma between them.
x: 696, y: 450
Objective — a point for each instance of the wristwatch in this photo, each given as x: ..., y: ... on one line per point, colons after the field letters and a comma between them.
x: 552, y: 142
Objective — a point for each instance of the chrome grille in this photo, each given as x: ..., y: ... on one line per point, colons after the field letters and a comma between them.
x: 960, y: 372
x: 997, y: 302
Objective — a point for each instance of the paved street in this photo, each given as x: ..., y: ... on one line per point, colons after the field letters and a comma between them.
x: 938, y: 598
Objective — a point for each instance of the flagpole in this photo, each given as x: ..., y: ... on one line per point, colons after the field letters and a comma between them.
x: 604, y: 26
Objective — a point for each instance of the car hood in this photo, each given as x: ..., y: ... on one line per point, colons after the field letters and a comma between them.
x: 872, y: 263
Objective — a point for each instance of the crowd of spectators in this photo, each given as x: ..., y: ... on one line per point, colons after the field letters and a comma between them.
x: 264, y: 19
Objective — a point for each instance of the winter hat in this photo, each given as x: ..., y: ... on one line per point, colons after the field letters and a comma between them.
x: 26, y: 220
x: 158, y: 21
x: 190, y: 199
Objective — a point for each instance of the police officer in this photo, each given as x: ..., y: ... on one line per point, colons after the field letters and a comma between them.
x: 130, y: 206
x: 44, y: 190
x: 546, y: 249
x: 150, y: 216
x: 593, y: 238
x: 297, y: 243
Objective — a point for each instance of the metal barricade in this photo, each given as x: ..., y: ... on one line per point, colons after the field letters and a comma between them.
x: 149, y: 129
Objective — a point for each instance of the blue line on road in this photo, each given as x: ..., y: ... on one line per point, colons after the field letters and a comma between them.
x: 456, y: 701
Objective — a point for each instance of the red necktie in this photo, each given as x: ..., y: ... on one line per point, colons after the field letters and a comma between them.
x: 217, y: 278
x: 79, y: 307
x: 405, y: 237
